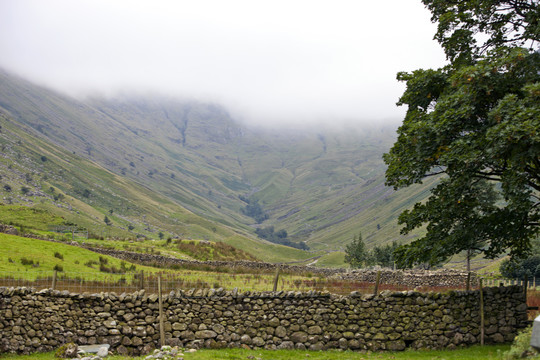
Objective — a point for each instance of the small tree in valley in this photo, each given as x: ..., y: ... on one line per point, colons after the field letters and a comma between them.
x: 356, y: 254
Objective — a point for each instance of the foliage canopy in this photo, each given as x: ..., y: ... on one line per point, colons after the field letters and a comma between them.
x: 475, y: 123
x: 357, y: 255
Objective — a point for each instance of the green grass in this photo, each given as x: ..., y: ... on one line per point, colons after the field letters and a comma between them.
x: 28, y: 217
x: 471, y: 353
x: 16, y: 252
x: 15, y: 249
x: 333, y: 259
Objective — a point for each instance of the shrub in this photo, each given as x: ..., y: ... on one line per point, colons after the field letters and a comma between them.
x: 26, y: 261
x: 125, y: 268
x: 91, y: 263
x: 58, y: 255
x: 521, y: 347
x: 111, y: 270
x: 58, y: 268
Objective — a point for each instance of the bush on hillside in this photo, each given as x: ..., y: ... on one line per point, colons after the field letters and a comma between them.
x: 58, y: 268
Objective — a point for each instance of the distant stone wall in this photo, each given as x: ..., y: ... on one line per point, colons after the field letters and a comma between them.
x: 410, y: 278
x: 151, y: 259
x: 33, y: 321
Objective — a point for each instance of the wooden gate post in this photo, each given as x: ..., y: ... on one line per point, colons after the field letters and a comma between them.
x: 377, y: 281
x: 481, y: 312
x: 276, y: 278
x: 55, y: 274
x: 161, y: 321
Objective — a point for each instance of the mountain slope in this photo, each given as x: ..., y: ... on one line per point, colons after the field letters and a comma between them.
x: 321, y: 185
x: 46, y: 177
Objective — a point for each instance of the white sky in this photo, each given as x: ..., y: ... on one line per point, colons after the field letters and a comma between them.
x: 268, y: 61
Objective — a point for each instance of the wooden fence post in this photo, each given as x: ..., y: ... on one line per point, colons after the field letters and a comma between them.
x: 377, y: 281
x: 161, y: 321
x: 55, y: 274
x: 525, y: 285
x: 141, y: 280
x: 481, y: 312
x: 276, y: 278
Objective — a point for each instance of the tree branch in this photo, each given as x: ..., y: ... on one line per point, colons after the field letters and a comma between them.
x: 435, y: 173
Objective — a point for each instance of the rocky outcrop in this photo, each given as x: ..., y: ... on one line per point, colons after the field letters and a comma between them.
x: 8, y: 229
x: 33, y: 321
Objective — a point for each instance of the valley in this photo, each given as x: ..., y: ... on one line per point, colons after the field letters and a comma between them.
x: 187, y: 169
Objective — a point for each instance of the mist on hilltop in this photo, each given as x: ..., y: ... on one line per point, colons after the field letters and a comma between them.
x: 275, y: 64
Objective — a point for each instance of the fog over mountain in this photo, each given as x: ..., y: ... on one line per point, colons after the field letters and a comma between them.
x: 271, y: 63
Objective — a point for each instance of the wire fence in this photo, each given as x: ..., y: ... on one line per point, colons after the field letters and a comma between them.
x: 186, y: 280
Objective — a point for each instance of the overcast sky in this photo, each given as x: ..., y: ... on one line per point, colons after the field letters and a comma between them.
x: 267, y: 61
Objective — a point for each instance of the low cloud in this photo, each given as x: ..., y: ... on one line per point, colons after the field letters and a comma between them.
x: 271, y: 63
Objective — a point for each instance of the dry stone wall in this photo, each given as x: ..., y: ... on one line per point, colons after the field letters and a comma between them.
x: 33, y: 321
x: 410, y: 278
x: 159, y: 260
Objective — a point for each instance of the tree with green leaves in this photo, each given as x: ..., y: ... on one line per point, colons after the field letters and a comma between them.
x: 475, y: 124
x: 384, y: 255
x: 520, y: 268
x: 356, y: 254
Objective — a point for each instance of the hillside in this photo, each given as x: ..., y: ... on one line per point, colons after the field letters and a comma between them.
x: 58, y: 188
x: 188, y: 168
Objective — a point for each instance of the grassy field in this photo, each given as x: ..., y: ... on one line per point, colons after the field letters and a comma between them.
x: 471, y: 353
x: 333, y: 259
x: 29, y: 256
x: 23, y: 260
